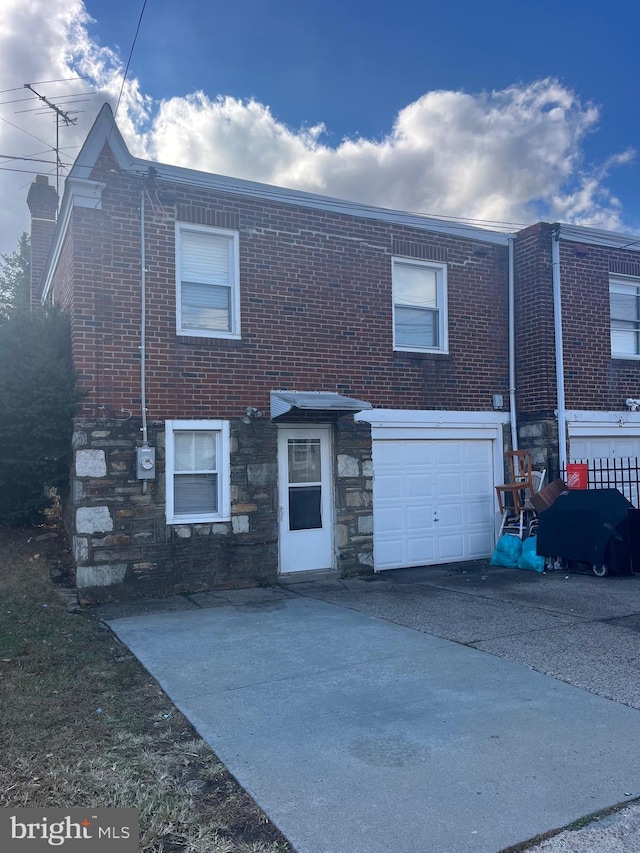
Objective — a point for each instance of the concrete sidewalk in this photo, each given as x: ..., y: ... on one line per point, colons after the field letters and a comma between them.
x: 358, y: 735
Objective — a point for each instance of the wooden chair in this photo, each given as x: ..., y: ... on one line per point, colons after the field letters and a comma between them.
x: 512, y: 496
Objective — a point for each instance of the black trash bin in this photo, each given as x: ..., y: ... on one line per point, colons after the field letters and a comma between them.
x: 588, y: 526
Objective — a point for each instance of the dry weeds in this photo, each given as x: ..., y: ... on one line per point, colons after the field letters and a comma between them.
x: 83, y: 724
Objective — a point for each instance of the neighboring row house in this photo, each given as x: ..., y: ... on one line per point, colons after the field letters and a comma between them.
x: 279, y: 382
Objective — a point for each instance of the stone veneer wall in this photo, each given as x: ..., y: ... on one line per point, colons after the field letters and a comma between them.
x: 121, y: 542
x: 540, y: 436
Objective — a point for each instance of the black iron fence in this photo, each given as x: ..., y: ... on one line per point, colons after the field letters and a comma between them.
x: 622, y: 473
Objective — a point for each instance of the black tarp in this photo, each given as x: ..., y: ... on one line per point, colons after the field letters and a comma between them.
x: 588, y: 526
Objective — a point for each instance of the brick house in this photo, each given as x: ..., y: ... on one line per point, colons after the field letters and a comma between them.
x: 250, y: 355
x: 279, y: 382
x: 578, y: 307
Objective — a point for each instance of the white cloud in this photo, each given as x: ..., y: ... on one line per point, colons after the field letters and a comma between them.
x: 514, y: 155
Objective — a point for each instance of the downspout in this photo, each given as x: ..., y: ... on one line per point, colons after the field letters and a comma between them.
x: 143, y: 333
x: 557, y: 326
x: 512, y: 347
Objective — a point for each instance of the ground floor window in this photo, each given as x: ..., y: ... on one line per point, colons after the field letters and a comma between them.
x: 197, y: 471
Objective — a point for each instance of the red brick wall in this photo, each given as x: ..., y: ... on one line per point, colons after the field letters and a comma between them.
x: 315, y: 306
x: 535, y: 339
x: 593, y: 380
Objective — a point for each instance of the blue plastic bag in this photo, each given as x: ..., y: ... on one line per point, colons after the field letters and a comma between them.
x: 529, y: 559
x: 508, y: 550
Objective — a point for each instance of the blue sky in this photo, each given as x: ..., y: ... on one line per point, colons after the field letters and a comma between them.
x: 506, y: 111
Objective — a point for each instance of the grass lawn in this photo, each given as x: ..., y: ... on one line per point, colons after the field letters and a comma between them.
x: 83, y: 724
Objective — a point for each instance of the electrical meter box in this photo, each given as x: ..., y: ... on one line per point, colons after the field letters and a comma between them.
x: 145, y: 463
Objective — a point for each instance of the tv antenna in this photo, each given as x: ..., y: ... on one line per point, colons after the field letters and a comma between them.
x: 61, y: 115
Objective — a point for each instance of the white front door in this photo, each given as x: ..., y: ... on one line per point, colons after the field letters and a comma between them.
x: 304, y: 486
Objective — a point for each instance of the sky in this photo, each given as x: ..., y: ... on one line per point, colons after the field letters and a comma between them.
x: 506, y: 112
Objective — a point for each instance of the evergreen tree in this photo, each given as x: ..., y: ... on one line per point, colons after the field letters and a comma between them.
x: 14, y: 279
x: 38, y: 397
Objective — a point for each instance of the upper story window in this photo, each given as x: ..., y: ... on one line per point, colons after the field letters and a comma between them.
x: 208, y: 291
x: 197, y: 471
x: 624, y: 301
x: 419, y: 306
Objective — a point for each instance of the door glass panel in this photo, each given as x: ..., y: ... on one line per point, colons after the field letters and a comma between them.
x: 304, y: 507
x: 304, y: 460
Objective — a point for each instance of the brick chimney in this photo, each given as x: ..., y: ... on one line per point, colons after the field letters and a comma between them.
x: 42, y: 200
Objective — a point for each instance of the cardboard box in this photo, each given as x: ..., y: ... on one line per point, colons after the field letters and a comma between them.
x: 545, y: 497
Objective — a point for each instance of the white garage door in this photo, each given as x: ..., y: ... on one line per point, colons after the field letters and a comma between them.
x: 616, y: 450
x: 433, y: 501
x: 603, y: 447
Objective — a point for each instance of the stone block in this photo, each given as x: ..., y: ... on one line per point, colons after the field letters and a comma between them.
x: 367, y: 468
x: 238, y: 509
x: 365, y: 558
x: 263, y: 474
x: 93, y: 519
x: 343, y: 535
x: 80, y: 549
x: 79, y: 439
x: 91, y: 463
x: 182, y: 531
x: 348, y: 466
x: 220, y: 529
x: 354, y: 498
x: 202, y: 529
x: 240, y: 523
x: 105, y: 575
x: 365, y: 524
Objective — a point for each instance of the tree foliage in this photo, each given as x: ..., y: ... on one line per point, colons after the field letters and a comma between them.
x: 14, y: 279
x: 38, y: 399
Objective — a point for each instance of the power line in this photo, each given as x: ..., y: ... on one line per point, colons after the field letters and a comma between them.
x: 126, y: 70
x: 30, y: 159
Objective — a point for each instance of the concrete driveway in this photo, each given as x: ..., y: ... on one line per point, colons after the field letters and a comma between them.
x: 404, y: 712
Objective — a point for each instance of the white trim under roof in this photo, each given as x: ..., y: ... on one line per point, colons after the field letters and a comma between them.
x: 597, y: 237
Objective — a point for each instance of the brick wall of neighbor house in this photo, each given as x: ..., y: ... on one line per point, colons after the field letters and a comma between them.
x: 121, y: 542
x: 535, y: 346
x: 316, y: 315
x: 593, y: 380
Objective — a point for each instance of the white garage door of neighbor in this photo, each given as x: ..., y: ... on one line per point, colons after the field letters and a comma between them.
x: 603, y: 447
x: 433, y: 501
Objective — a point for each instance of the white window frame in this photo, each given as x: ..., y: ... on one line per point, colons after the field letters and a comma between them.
x: 442, y: 308
x: 223, y: 453
x: 234, y: 282
x: 622, y: 282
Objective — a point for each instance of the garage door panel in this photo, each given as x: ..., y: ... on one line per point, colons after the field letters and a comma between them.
x: 448, y: 453
x: 479, y: 545
x: 478, y: 452
x: 476, y: 483
x: 420, y: 480
x: 479, y: 513
x: 420, y: 485
x: 418, y: 519
x: 449, y: 484
x: 451, y: 515
x: 387, y: 553
x: 420, y: 551
x: 451, y: 547
x: 390, y: 519
x: 391, y: 485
